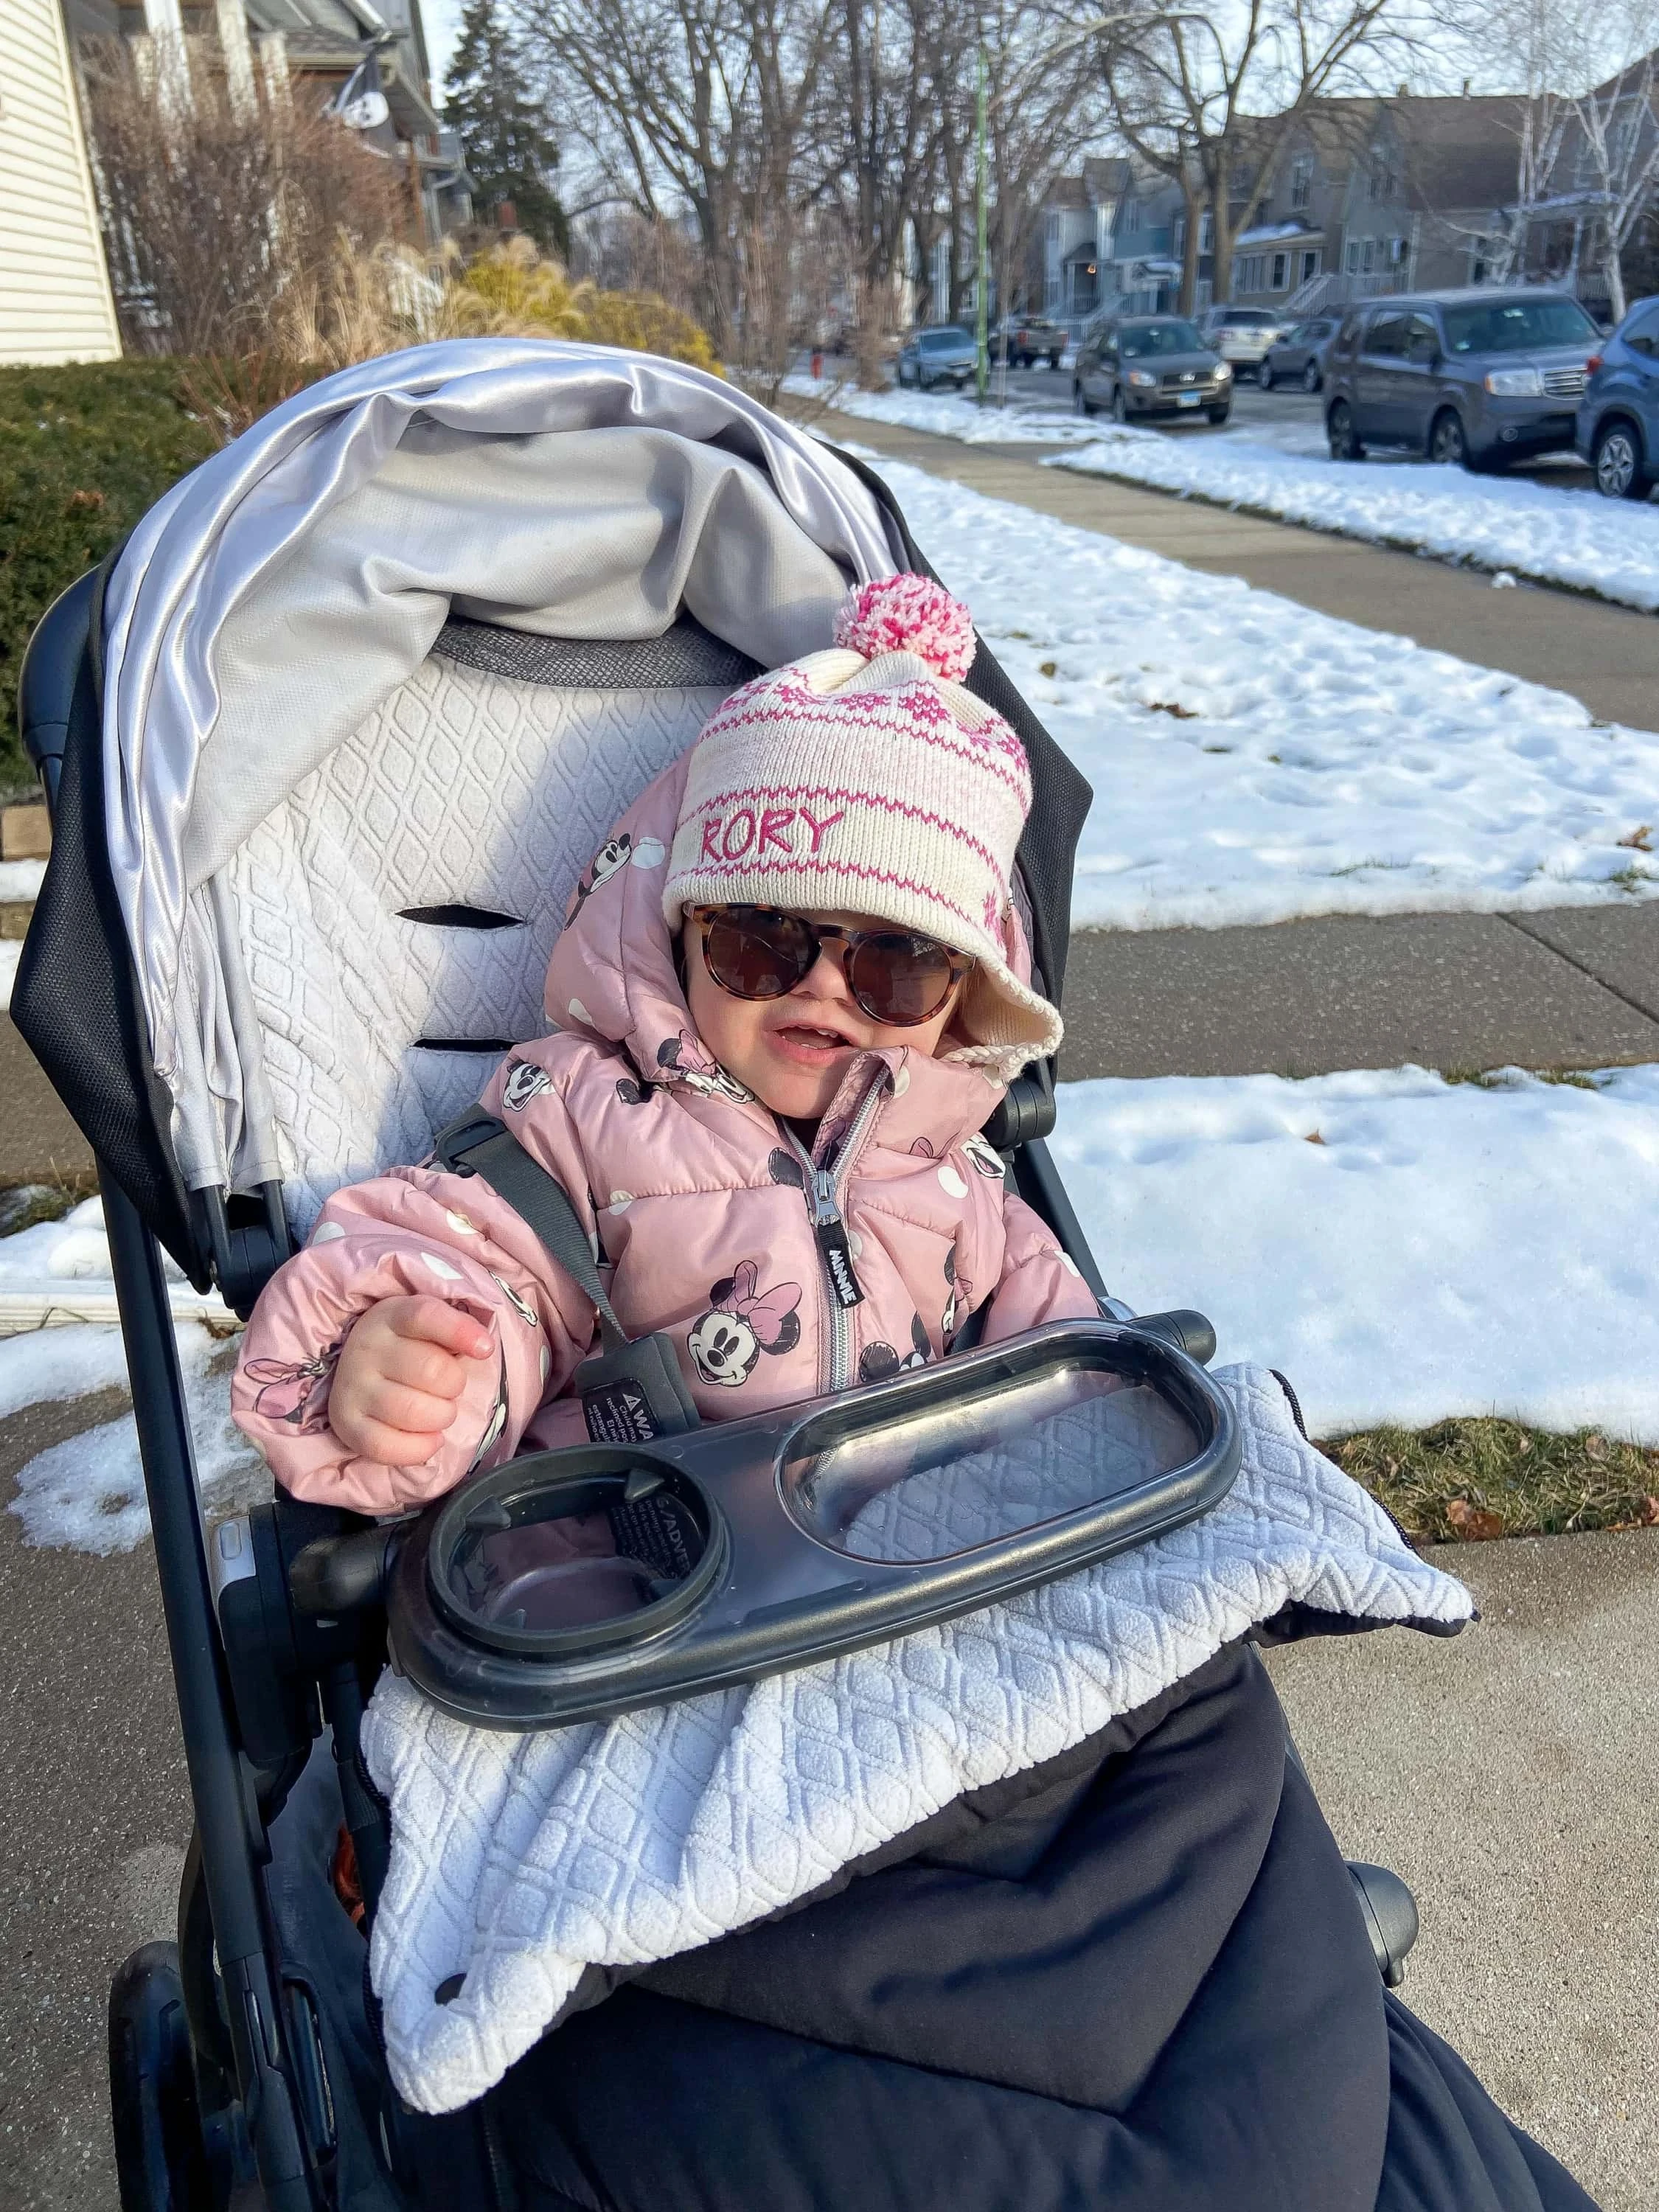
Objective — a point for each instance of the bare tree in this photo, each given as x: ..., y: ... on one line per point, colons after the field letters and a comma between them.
x: 1587, y: 128
x: 705, y: 106
x: 1614, y: 137
x: 1209, y: 95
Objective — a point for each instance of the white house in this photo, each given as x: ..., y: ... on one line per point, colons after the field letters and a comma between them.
x: 55, y: 302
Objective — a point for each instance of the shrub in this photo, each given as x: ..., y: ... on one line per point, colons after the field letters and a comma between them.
x: 83, y: 452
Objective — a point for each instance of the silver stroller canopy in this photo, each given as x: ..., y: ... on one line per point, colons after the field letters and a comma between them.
x: 275, y: 739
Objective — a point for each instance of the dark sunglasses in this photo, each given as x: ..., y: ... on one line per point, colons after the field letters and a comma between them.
x: 898, y: 976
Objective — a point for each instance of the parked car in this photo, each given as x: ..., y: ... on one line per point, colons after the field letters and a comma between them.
x: 1297, y: 355
x: 1027, y: 338
x: 1242, y: 335
x: 1141, y: 365
x: 1475, y: 378
x: 944, y: 354
x: 1619, y: 414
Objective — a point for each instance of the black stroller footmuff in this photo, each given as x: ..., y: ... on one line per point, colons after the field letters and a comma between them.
x: 328, y: 747
x: 1133, y: 1977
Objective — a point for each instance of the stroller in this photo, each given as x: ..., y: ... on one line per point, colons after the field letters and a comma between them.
x: 327, y: 745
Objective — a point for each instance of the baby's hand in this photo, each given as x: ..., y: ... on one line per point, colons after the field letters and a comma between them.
x: 402, y: 1372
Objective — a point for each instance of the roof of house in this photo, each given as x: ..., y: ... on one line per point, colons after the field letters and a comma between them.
x: 1457, y: 151
x: 1066, y: 192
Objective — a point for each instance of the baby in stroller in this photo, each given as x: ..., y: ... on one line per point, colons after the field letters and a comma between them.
x: 788, y: 997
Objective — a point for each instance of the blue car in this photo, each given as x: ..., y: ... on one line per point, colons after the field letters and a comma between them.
x: 1619, y: 415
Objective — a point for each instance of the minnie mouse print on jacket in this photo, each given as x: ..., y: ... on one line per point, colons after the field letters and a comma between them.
x: 699, y: 1204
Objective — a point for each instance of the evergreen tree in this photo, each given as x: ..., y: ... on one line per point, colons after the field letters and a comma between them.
x: 510, y: 154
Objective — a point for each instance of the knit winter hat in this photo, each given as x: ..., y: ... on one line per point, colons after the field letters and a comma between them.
x: 866, y: 779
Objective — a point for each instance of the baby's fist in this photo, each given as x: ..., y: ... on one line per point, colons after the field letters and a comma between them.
x: 400, y: 1376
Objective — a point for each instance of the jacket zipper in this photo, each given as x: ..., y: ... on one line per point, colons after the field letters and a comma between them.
x: 824, y: 1185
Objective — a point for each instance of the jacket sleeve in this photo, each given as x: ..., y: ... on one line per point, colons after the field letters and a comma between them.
x: 1039, y: 1282
x: 413, y: 1233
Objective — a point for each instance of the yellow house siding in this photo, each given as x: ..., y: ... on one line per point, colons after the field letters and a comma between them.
x: 55, y: 301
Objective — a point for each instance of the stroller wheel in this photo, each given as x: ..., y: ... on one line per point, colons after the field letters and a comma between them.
x: 159, y: 2158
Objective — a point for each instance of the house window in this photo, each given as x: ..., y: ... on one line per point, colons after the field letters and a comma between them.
x: 1051, y: 228
x: 1131, y: 216
x: 1207, y: 232
x: 1480, y: 267
x: 1351, y: 261
x: 1248, y: 271
x: 1281, y: 273
x: 1310, y: 265
x: 1301, y: 180
x: 1367, y: 256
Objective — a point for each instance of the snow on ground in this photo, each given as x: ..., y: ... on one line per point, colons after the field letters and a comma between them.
x: 60, y: 1272
x: 1253, y: 761
x: 88, y: 1493
x: 1609, y: 547
x: 947, y: 415
x: 20, y: 881
x: 1402, y: 1247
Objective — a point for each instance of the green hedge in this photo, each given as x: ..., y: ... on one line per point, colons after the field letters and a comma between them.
x: 83, y: 452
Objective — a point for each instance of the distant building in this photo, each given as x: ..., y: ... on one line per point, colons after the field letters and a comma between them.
x: 55, y: 303
x: 1366, y: 197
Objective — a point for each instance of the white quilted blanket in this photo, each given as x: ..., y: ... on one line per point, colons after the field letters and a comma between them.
x: 518, y: 1860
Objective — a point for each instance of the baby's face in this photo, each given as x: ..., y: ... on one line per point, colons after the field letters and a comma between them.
x: 794, y: 1051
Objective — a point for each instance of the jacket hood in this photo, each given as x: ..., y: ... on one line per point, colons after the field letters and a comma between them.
x: 613, y: 977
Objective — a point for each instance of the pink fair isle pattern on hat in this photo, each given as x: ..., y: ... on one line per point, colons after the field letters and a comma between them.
x: 867, y: 779
x: 908, y: 614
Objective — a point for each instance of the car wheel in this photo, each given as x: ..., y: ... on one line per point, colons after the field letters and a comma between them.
x: 1344, y: 438
x: 1054, y: 362
x: 1218, y: 416
x: 1081, y: 404
x: 1310, y: 377
x: 1120, y: 404
x: 1447, y: 444
x: 1264, y: 377
x: 1618, y: 463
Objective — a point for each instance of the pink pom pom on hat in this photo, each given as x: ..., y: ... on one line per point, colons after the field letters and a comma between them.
x: 867, y: 779
x: 908, y: 614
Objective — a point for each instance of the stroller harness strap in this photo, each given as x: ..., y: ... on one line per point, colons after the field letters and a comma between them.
x: 632, y: 1388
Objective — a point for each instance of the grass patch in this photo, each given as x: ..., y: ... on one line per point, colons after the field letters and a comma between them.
x: 1482, y: 1476
x: 84, y: 452
x: 26, y: 1205
x: 1493, y: 1078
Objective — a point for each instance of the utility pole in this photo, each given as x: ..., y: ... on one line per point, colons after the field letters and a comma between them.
x: 983, y: 365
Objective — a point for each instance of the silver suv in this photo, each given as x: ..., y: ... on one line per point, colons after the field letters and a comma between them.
x: 1241, y: 336
x: 1476, y: 378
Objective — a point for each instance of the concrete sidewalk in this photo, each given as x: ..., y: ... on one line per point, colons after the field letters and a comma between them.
x: 1509, y: 1777
x: 1607, y: 656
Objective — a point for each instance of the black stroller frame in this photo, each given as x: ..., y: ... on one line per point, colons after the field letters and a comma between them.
x: 221, y: 2084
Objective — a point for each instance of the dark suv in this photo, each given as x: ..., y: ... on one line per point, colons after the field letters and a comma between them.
x: 1619, y: 414
x: 1478, y: 377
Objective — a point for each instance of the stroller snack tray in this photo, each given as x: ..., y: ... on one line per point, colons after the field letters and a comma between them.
x: 577, y: 1584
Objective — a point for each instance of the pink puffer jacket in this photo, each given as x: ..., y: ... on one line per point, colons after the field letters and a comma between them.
x: 700, y: 1204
